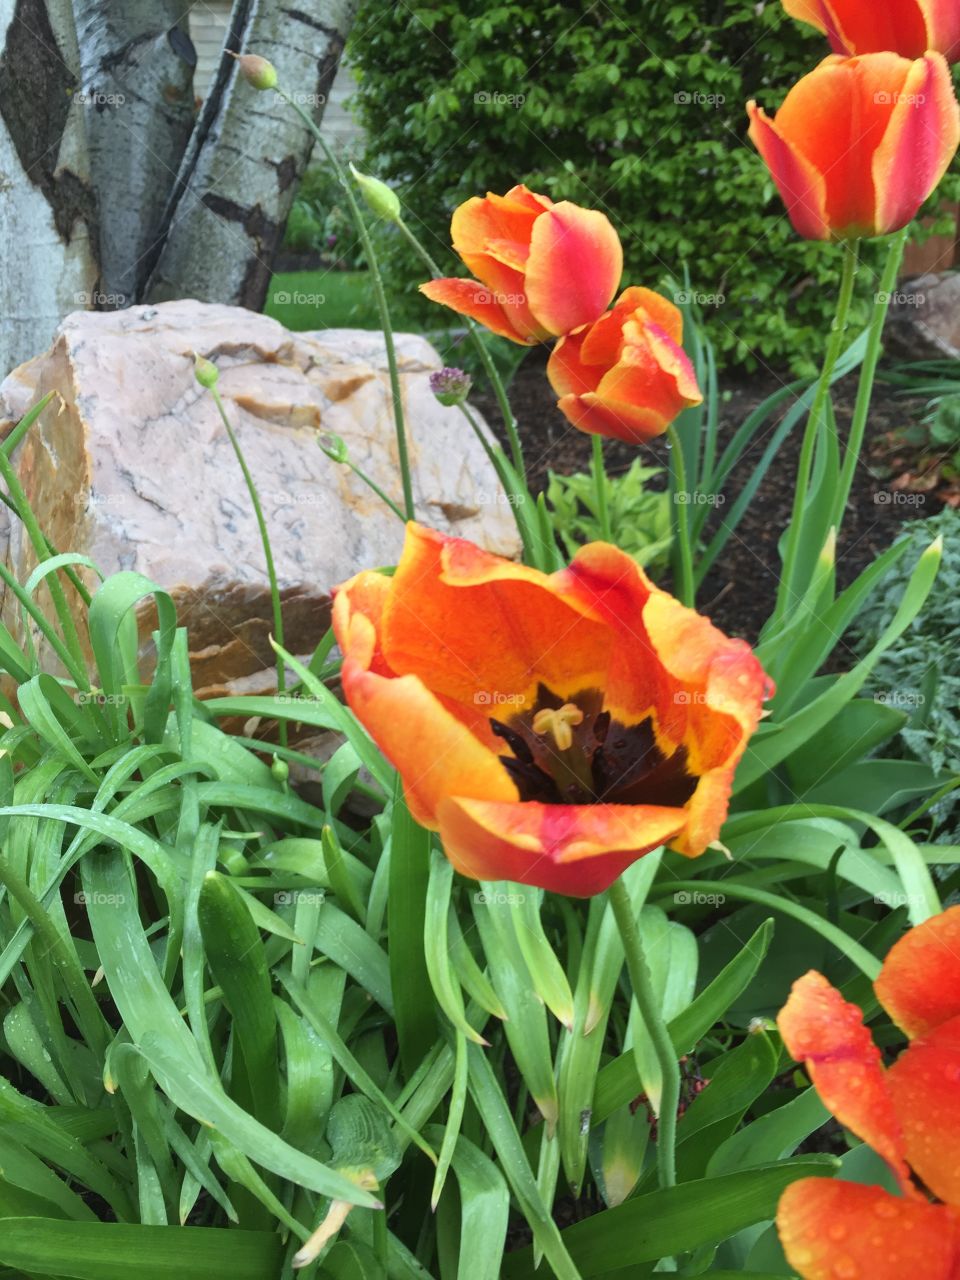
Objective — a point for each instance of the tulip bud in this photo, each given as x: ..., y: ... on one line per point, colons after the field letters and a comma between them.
x: 280, y: 769
x: 450, y: 386
x: 383, y: 200
x: 256, y: 70
x: 334, y: 446
x: 205, y: 372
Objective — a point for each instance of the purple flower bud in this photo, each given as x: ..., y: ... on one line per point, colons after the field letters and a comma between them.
x: 450, y: 386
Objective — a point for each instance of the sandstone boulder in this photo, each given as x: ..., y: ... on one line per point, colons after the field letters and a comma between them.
x: 134, y: 469
x: 924, y: 319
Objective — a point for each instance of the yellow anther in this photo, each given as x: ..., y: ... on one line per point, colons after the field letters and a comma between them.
x: 559, y: 722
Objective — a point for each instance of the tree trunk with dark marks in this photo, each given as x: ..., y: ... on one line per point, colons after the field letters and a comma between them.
x: 48, y: 209
x: 136, y: 79
x: 240, y: 173
x: 112, y: 190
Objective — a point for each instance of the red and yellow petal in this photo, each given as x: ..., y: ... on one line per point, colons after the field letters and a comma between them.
x: 864, y: 26
x: 919, y: 984
x: 801, y: 186
x: 567, y: 373
x: 577, y: 850
x: 827, y: 1033
x: 920, y: 141
x: 476, y: 300
x: 507, y: 220
x: 481, y: 630
x: 833, y: 1230
x: 574, y: 267
x: 924, y: 1083
x: 615, y: 419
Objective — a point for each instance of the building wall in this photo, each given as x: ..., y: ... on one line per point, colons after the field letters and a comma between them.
x: 208, y: 27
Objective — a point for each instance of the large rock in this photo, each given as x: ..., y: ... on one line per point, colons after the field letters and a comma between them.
x: 135, y: 469
x: 924, y: 320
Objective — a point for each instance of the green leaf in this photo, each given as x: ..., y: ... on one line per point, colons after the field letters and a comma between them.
x: 409, y: 978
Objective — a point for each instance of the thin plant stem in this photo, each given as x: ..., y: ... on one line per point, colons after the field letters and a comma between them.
x: 686, y: 583
x: 868, y: 372
x: 498, y: 461
x: 19, y: 502
x: 486, y: 359
x: 403, y: 454
x: 267, y: 553
x: 656, y: 1029
x: 600, y: 483
x: 834, y: 347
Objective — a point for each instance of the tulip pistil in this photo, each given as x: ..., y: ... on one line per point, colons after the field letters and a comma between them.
x: 571, y: 751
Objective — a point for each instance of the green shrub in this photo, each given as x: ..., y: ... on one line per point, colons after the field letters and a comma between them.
x: 636, y: 108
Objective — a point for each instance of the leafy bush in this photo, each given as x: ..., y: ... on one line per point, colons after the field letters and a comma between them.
x: 637, y: 108
x: 639, y: 516
x: 318, y: 222
x: 920, y: 675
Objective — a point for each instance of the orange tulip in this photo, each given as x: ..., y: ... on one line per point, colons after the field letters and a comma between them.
x: 552, y: 727
x: 542, y: 268
x: 909, y: 1114
x: 627, y: 375
x: 860, y: 143
x: 907, y: 27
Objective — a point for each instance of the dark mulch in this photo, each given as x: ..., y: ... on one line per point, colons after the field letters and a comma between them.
x: 740, y: 591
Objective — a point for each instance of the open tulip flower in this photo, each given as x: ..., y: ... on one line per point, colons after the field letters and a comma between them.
x: 541, y: 268
x: 552, y: 727
x: 909, y: 1114
x: 907, y: 27
x: 860, y: 143
x: 627, y: 375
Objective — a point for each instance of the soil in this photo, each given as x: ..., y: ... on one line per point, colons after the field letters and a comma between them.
x: 740, y: 590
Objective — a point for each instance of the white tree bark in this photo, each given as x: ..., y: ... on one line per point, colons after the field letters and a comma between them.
x: 240, y: 173
x: 48, y: 211
x: 136, y: 81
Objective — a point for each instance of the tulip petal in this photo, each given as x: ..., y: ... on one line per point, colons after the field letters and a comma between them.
x: 617, y: 419
x: 827, y: 1033
x: 819, y: 14
x: 919, y: 143
x: 801, y: 187
x: 924, y: 1083
x: 476, y: 300
x: 832, y: 1230
x: 506, y: 219
x: 577, y: 850
x: 574, y: 268
x: 919, y: 984
x: 566, y: 371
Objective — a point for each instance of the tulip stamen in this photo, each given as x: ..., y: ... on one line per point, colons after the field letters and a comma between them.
x: 559, y: 723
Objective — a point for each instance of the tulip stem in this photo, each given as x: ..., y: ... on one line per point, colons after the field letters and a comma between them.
x: 267, y: 554
x: 600, y: 480
x: 488, y: 362
x: 868, y: 372
x: 684, y: 582
x: 656, y: 1028
x: 376, y: 276
x: 788, y: 587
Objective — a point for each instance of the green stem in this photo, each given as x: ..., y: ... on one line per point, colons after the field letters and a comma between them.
x: 519, y: 499
x: 656, y: 1029
x: 376, y: 276
x: 600, y: 482
x: 267, y: 553
x: 41, y: 548
x: 868, y: 372
x: 685, y: 583
x: 834, y: 347
x: 486, y: 359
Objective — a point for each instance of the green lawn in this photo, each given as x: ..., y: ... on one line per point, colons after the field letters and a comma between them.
x: 322, y: 300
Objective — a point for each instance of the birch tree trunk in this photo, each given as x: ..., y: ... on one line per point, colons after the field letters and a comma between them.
x: 136, y: 69
x: 48, y: 210
x: 241, y: 170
